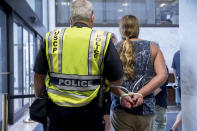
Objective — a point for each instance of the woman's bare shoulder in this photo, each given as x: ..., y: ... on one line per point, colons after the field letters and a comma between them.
x: 155, y: 49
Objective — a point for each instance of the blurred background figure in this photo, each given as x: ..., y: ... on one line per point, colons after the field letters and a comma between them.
x: 161, y: 96
x: 176, y: 70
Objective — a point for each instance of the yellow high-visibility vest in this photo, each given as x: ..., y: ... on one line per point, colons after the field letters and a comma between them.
x: 76, y: 60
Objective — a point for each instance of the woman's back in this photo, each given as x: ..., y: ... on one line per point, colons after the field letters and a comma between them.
x: 144, y: 64
x: 143, y: 70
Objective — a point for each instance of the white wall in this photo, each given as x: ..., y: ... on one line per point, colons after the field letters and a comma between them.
x: 168, y: 39
x: 188, y: 39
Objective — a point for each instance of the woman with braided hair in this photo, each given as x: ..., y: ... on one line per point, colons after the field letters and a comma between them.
x: 144, y: 71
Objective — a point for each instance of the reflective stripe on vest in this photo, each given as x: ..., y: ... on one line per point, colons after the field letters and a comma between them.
x: 66, y: 94
x: 72, y: 105
x: 69, y: 88
x: 83, y: 77
x: 55, y: 44
x: 96, y: 47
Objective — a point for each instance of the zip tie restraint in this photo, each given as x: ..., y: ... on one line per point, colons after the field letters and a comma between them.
x: 123, y: 94
x: 130, y: 93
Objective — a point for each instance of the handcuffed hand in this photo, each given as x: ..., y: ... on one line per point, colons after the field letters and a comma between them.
x: 126, y: 101
x: 137, y: 99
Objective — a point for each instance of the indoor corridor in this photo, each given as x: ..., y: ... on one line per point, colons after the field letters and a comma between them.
x: 170, y: 24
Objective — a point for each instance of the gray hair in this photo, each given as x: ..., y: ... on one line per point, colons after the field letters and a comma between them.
x: 81, y: 10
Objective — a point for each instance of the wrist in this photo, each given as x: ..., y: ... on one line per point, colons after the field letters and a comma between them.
x: 39, y: 97
x: 139, y: 94
x: 123, y: 94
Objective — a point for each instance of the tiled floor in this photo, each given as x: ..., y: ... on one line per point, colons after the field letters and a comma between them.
x: 20, y: 125
x: 173, y: 109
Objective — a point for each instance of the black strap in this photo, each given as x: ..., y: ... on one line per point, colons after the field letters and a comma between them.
x: 101, y: 95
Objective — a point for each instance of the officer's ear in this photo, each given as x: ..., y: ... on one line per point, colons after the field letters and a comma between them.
x: 92, y: 18
x: 71, y: 22
x: 91, y: 21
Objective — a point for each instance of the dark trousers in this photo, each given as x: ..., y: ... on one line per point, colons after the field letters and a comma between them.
x: 86, y: 118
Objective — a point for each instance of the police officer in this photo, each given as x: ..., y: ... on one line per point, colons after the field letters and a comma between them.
x: 71, y: 63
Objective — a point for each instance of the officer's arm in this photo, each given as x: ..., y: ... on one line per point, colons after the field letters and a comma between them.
x: 40, y: 69
x: 39, y: 83
x: 115, y: 89
x: 113, y: 69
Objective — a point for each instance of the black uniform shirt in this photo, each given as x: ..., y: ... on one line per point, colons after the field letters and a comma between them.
x: 112, y: 65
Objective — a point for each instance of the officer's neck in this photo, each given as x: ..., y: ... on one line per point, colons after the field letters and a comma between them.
x: 89, y: 24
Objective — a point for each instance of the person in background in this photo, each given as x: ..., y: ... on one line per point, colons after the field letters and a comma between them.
x: 73, y: 71
x: 161, y: 97
x: 144, y: 71
x: 178, y: 122
x: 176, y: 70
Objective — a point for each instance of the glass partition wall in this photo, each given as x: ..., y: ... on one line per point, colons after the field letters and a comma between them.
x: 32, y: 52
x: 24, y: 57
x: 18, y: 66
x: 26, y: 83
x: 22, y: 26
x: 109, y: 12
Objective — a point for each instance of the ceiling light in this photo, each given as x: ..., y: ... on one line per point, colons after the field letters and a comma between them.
x: 120, y: 10
x: 64, y: 3
x: 162, y: 5
x: 125, y: 4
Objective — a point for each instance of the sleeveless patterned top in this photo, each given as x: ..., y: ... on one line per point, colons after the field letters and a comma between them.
x: 143, y: 69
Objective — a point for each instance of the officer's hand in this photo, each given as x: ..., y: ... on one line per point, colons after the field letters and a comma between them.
x: 126, y: 101
x: 137, y: 99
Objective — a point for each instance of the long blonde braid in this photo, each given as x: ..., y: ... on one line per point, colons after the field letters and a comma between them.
x: 129, y: 28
